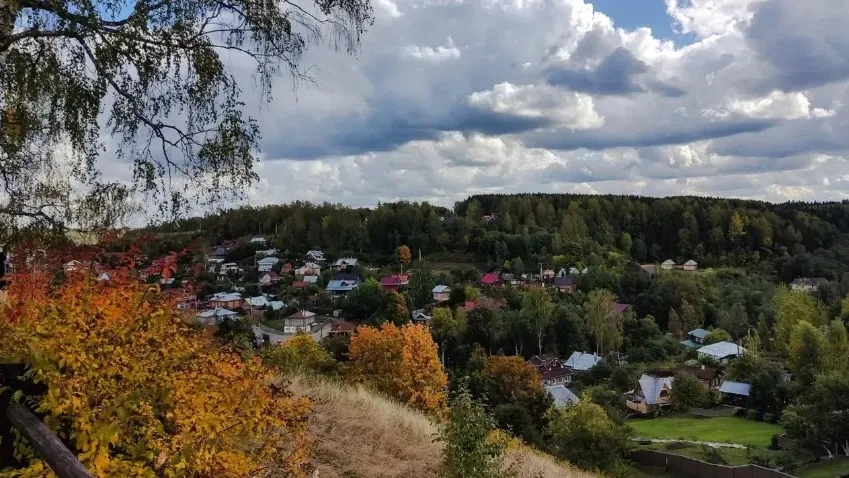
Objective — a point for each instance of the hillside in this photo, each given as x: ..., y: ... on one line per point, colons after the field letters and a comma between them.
x: 360, y: 434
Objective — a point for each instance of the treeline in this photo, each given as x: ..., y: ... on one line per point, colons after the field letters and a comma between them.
x: 796, y: 239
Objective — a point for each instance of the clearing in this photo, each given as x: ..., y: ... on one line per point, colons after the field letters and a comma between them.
x: 718, y: 430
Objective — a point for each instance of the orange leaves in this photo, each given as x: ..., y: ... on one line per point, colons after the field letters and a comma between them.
x: 401, y: 362
x: 140, y: 392
x: 512, y: 377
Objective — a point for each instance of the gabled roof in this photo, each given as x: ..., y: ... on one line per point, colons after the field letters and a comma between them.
x: 668, y: 262
x: 220, y: 312
x: 652, y: 386
x: 258, y: 239
x: 342, y: 326
x: 621, y: 307
x: 490, y: 278
x: 259, y: 301
x: 735, y: 388
x: 394, y: 280
x: 271, y: 275
x: 700, y: 333
x: 277, y: 304
x: 225, y: 296
x: 441, y: 288
x: 346, y: 261
x: 268, y: 260
x: 302, y: 314
x: 563, y: 397
x: 582, y: 361
x: 419, y: 314
x: 721, y: 350
x: 691, y: 262
x: 342, y: 285
x: 809, y: 281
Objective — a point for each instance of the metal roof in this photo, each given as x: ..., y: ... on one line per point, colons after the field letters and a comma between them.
x: 440, y: 289
x: 652, y: 386
x: 735, y: 388
x: 721, y: 350
x: 582, y: 361
x: 700, y: 333
x: 563, y: 397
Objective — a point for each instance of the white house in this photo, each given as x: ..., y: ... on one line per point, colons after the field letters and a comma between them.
x: 690, y: 265
x: 667, y: 264
x: 441, y: 293
x: 315, y: 256
x: 805, y: 284
x: 344, y: 263
x: 308, y: 269
x: 266, y: 263
x: 582, y: 361
x: 258, y: 240
x: 722, y: 352
x: 302, y: 320
x: 268, y: 278
x: 215, y: 316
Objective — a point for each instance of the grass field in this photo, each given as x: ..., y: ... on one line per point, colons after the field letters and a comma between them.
x: 824, y: 469
x: 720, y: 430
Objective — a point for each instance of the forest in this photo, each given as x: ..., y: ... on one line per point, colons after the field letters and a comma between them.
x: 789, y: 239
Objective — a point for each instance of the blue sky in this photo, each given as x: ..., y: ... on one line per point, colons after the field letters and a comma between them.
x: 633, y: 14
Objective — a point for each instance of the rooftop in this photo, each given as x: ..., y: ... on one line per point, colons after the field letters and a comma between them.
x: 563, y: 397
x: 582, y: 361
x: 735, y: 388
x: 721, y: 350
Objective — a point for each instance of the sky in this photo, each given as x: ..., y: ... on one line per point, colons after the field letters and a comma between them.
x: 448, y: 98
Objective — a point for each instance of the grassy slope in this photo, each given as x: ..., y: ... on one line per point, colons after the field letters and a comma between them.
x: 360, y: 434
x: 721, y: 429
x: 824, y: 469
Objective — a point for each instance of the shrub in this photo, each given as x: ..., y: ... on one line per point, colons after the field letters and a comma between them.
x: 712, y: 455
x: 468, y: 450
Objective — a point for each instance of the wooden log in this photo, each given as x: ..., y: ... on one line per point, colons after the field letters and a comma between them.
x: 64, y: 463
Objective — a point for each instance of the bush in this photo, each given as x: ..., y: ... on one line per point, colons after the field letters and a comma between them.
x: 469, y: 452
x: 678, y: 445
x: 713, y: 455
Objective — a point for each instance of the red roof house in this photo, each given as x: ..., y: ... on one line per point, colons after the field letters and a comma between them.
x: 299, y: 284
x: 394, y: 281
x: 491, y: 279
x: 342, y: 327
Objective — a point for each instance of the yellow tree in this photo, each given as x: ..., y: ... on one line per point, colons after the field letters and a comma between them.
x: 300, y: 354
x: 401, y: 362
x: 138, y: 392
x: 404, y: 255
x: 791, y: 308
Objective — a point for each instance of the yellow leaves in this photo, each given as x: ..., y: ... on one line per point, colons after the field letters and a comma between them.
x: 401, y: 362
x: 139, y: 393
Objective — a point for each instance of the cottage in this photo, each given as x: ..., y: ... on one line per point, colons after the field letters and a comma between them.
x: 342, y: 327
x: 509, y: 279
x: 342, y: 286
x: 257, y: 303
x: 345, y: 263
x: 267, y: 263
x: 308, y: 269
x: 564, y: 284
x: 276, y: 304
x: 419, y: 317
x: 394, y: 282
x: 650, y: 269
x: 441, y: 293
x: 690, y: 265
x: 215, y: 316
x: 710, y: 377
x: 315, y: 256
x: 311, y: 279
x: 258, y: 240
x: 491, y: 279
x: 228, y: 300
x: 563, y: 397
x: 269, y: 278
x: 552, y: 371
x: 695, y: 338
x: 805, y: 284
x: 722, y: 352
x: 302, y: 320
x: 582, y: 361
x: 668, y: 264
x: 735, y: 393
x: 652, y: 392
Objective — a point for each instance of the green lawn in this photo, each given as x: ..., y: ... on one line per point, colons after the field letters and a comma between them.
x: 824, y: 469
x: 721, y: 429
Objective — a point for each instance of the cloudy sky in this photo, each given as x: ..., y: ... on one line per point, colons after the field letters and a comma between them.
x: 447, y: 98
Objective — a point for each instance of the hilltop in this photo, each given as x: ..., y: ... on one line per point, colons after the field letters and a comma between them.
x: 361, y: 434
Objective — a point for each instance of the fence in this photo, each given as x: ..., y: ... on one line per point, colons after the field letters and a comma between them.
x: 702, y: 469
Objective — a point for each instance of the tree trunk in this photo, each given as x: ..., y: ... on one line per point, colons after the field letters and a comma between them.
x: 8, y: 12
x: 539, y: 339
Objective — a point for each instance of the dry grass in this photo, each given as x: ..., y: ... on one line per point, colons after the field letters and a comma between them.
x: 362, y: 435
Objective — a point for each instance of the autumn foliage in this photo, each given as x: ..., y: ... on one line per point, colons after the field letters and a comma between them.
x: 401, y: 362
x: 136, y: 391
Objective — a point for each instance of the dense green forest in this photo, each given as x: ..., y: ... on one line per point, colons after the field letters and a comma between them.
x: 791, y: 239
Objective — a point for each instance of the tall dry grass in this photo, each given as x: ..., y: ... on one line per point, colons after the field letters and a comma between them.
x: 361, y: 434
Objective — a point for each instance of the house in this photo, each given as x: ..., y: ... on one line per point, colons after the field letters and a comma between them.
x: 722, y: 352
x: 548, y: 274
x: 621, y: 308
x: 227, y: 268
x: 301, y: 320
x: 267, y: 263
x: 563, y: 397
x: 257, y: 303
x: 299, y: 284
x: 308, y: 269
x: 215, y: 316
x: 228, y: 300
x: 582, y: 361
x: 267, y: 252
x: 564, y: 284
x: 652, y: 392
x: 668, y: 264
x: 276, y: 304
x: 491, y: 279
x: 552, y: 370
x: 651, y: 269
x: 315, y: 256
x: 311, y: 279
x: 345, y: 263
x: 394, y: 281
x: 735, y: 393
x: 695, y: 338
x: 562, y: 272
x: 286, y: 268
x: 219, y: 252
x: 342, y: 327
x: 509, y: 279
x: 441, y: 293
x: 269, y: 278
x: 258, y: 240
x: 805, y: 284
x: 709, y: 376
x: 690, y: 265
x: 420, y: 318
x: 342, y: 286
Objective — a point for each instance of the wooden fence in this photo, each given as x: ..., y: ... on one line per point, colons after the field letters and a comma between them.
x: 702, y: 469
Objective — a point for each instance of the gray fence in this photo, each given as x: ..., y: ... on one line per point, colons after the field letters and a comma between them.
x: 713, y: 412
x: 702, y: 469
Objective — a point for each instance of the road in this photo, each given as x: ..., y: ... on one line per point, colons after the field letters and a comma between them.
x: 276, y: 337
